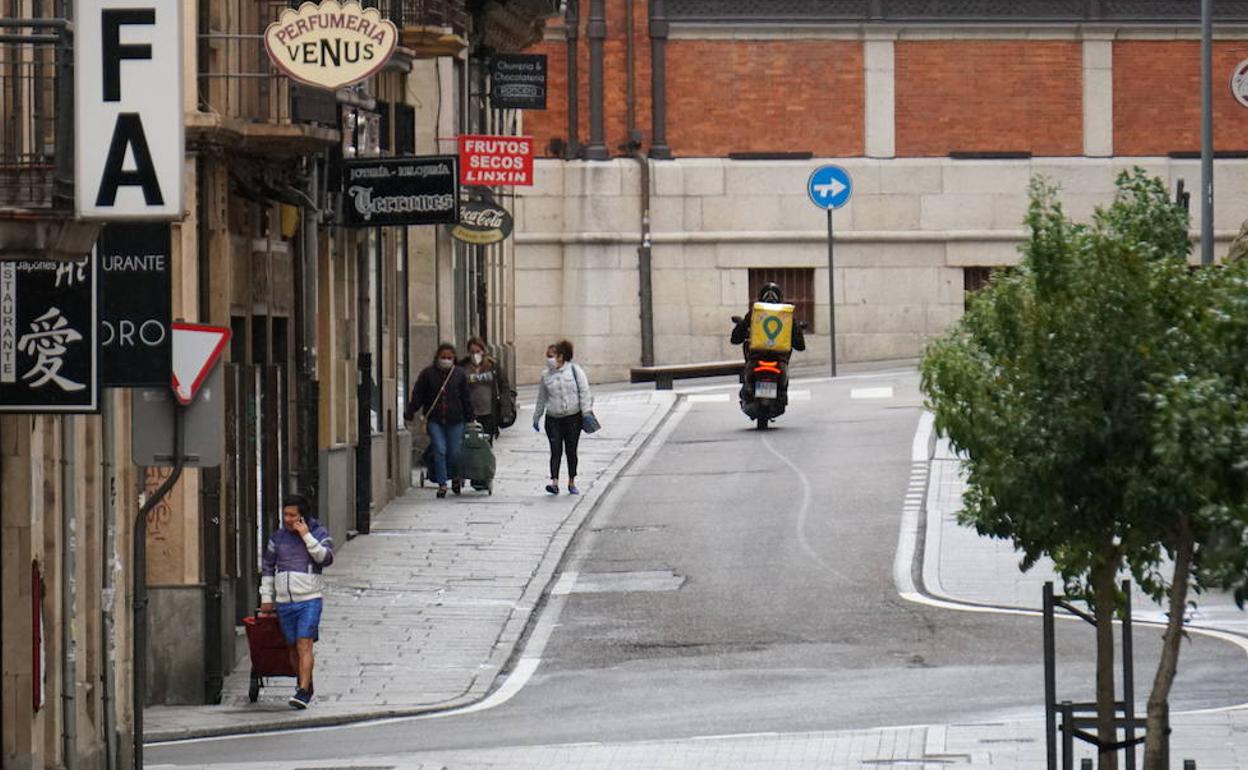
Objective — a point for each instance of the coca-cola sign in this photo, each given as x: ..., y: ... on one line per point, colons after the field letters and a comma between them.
x: 482, y: 223
x: 419, y: 190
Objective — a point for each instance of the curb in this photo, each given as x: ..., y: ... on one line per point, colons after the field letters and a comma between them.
x: 508, y: 642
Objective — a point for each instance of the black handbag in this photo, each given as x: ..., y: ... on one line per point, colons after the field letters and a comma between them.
x: 589, y: 423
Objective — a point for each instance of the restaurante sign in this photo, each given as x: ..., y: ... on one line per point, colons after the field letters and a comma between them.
x: 330, y: 45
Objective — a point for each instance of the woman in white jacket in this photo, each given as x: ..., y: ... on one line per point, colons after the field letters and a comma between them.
x: 563, y: 396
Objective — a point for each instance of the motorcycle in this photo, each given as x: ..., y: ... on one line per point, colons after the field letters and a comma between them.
x: 765, y: 386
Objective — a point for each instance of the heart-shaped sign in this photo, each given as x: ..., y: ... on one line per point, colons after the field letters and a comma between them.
x: 330, y: 45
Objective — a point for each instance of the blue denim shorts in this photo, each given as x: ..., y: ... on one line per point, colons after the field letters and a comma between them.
x: 300, y: 620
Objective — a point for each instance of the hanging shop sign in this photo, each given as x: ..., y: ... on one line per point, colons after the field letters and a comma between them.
x: 489, y: 161
x: 330, y: 45
x: 420, y: 190
x: 136, y: 304
x: 482, y: 223
x: 518, y: 81
x: 49, y: 321
x: 128, y: 116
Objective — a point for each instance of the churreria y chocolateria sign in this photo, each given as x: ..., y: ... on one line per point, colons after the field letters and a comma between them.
x: 330, y: 45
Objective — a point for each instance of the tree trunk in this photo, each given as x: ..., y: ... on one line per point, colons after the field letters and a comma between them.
x: 1104, y: 592
x: 1154, y: 754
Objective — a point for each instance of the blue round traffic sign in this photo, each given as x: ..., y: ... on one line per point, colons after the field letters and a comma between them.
x: 829, y: 187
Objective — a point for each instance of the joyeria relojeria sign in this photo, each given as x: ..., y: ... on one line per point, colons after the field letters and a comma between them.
x: 330, y: 45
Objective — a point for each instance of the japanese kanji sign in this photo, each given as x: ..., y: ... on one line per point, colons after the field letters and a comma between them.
x: 49, y: 321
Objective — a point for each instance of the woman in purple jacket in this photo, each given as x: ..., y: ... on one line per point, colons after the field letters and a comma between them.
x: 291, y: 575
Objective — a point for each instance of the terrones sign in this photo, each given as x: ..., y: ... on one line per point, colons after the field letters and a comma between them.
x: 400, y: 191
x: 330, y: 45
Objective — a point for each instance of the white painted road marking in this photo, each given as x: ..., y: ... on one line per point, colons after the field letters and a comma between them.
x: 706, y: 398
x: 886, y: 392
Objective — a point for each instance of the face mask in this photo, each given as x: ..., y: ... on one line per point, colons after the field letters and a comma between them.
x: 552, y: 362
x: 477, y: 358
x: 446, y: 363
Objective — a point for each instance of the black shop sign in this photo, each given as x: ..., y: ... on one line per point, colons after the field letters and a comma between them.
x: 421, y: 190
x: 518, y: 81
x: 136, y: 293
x: 49, y: 321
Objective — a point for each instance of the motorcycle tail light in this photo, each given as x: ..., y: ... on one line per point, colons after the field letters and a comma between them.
x: 767, y: 366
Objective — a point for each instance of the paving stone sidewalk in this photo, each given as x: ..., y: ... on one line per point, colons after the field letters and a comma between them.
x: 423, y: 613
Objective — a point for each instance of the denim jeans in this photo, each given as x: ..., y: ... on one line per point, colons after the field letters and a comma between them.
x: 447, y: 440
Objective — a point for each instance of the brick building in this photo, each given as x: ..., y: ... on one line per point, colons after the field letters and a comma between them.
x: 942, y: 112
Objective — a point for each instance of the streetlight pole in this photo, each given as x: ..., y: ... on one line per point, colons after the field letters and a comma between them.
x: 1206, y: 132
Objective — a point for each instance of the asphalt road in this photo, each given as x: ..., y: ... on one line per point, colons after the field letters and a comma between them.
x: 747, y: 587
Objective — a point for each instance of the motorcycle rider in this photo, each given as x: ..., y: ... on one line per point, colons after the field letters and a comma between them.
x: 770, y: 292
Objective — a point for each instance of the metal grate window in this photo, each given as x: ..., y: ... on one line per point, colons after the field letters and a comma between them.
x: 36, y: 113
x: 977, y: 277
x: 798, y: 284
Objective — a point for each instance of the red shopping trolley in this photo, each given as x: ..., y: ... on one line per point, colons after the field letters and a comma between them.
x: 270, y: 655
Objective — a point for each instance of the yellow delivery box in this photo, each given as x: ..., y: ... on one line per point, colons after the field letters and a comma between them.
x: 771, y: 327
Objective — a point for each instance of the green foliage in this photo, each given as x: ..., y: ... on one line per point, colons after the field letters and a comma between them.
x: 1202, y: 426
x: 1055, y: 383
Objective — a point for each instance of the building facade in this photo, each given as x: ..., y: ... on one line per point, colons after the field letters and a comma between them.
x: 329, y: 325
x: 710, y: 115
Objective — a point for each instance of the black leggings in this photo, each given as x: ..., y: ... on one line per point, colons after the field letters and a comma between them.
x: 564, y: 434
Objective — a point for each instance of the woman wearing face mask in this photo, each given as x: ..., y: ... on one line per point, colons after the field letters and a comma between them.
x: 441, y: 394
x: 488, y: 388
x: 563, y: 395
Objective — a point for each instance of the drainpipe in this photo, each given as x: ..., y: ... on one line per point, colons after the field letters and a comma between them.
x: 138, y: 577
x: 210, y: 478
x: 571, y: 25
x: 645, y: 286
x: 658, y: 80
x: 597, y: 31
x: 69, y: 595
x: 108, y: 639
x: 644, y: 272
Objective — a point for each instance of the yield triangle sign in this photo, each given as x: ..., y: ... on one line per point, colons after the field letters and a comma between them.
x: 195, y: 349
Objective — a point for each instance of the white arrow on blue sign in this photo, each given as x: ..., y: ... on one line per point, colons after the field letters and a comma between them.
x: 829, y: 187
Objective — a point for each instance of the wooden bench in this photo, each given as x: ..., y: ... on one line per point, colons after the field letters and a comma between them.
x: 664, y: 376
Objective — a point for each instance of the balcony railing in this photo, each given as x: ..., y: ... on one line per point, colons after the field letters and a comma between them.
x: 238, y: 81
x: 236, y: 78
x: 448, y: 14
x: 952, y: 11
x: 36, y: 114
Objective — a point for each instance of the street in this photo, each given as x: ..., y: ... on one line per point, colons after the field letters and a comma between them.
x: 741, y: 582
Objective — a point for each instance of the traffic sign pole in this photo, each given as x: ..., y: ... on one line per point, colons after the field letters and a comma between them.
x: 831, y: 291
x: 829, y: 188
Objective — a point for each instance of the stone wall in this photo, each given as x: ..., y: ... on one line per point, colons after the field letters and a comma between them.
x: 902, y: 243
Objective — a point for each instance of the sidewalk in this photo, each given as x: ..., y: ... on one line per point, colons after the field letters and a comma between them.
x: 425, y: 612
x: 960, y: 565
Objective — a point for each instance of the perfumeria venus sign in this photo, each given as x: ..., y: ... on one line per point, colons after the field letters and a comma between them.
x: 330, y: 45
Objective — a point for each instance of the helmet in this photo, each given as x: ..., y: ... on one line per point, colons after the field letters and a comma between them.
x: 770, y: 293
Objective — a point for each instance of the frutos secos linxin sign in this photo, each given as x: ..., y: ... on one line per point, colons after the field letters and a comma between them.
x: 330, y: 45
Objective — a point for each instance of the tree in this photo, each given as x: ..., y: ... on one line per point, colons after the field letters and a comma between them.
x: 1202, y: 448
x: 1055, y: 386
